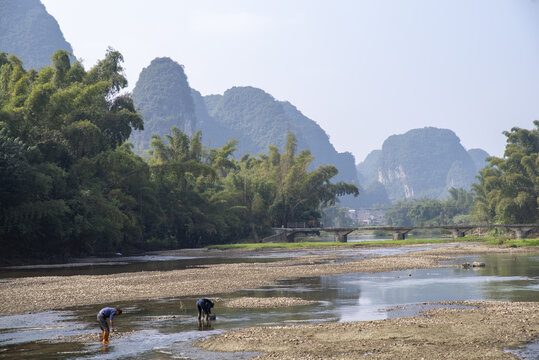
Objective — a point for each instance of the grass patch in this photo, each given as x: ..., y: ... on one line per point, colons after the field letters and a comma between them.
x: 279, y: 245
x: 419, y: 241
x: 513, y: 242
x: 319, y: 244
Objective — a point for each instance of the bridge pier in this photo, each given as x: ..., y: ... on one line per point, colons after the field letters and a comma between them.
x: 341, y: 235
x: 289, y: 236
x: 459, y: 231
x: 400, y: 233
x: 521, y: 231
x: 281, y: 235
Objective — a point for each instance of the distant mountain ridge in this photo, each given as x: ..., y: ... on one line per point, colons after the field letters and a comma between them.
x: 29, y: 32
x: 422, y: 163
x: 259, y: 120
x: 163, y: 95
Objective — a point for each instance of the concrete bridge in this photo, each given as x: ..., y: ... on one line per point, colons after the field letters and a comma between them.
x: 399, y: 232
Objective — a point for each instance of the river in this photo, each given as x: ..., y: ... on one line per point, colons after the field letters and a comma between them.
x: 166, y: 328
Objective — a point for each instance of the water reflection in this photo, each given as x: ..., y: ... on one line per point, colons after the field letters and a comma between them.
x: 45, y: 325
x: 123, y: 265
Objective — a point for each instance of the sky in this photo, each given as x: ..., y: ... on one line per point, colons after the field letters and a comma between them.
x: 362, y: 69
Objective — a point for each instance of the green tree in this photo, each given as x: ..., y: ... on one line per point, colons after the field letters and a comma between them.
x: 70, y: 185
x: 301, y: 193
x: 508, y: 188
x: 184, y: 187
x: 61, y: 129
x: 429, y: 212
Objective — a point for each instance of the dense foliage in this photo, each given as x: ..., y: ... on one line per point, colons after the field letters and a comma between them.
x: 70, y: 185
x: 429, y: 212
x: 508, y: 188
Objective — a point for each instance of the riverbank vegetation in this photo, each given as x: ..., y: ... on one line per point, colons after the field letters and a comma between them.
x: 430, y: 212
x: 313, y: 244
x: 508, y: 188
x: 512, y: 242
x: 70, y: 184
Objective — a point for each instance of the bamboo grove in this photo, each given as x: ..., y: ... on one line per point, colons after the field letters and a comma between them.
x: 70, y: 184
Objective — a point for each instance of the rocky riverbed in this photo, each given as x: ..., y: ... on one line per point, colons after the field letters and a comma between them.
x: 482, y: 331
x: 22, y: 295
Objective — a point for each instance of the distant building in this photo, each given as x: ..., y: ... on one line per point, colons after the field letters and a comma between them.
x: 366, y: 217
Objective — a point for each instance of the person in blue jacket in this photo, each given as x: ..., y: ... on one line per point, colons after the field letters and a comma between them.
x: 102, y: 315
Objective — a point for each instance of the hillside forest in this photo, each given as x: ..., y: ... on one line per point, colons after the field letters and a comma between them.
x: 70, y: 184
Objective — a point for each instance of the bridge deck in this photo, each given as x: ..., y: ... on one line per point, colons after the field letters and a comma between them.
x: 399, y: 232
x: 391, y: 228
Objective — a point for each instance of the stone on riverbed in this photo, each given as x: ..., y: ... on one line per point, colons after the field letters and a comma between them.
x: 475, y: 264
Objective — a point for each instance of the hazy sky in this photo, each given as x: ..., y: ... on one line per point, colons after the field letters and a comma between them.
x: 363, y: 70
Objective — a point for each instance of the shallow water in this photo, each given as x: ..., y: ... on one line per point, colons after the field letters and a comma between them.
x: 122, y: 264
x: 166, y: 328
x: 105, y: 266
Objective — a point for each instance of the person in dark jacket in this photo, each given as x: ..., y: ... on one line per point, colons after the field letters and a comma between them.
x: 204, y: 309
x: 102, y: 315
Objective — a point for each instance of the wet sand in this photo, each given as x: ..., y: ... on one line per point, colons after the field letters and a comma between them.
x: 445, y: 333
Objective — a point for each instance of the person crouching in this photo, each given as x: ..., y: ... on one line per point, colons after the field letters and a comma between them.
x: 102, y: 316
x: 204, y: 309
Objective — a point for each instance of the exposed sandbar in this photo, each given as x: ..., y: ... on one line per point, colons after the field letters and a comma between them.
x: 479, y: 333
x: 32, y: 294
